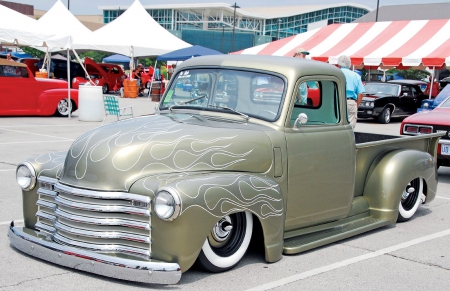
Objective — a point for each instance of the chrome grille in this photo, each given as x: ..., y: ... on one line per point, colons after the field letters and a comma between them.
x: 105, y: 222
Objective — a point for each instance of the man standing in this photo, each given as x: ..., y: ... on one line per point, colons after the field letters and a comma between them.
x: 8, y: 57
x: 354, y: 89
x: 303, y: 89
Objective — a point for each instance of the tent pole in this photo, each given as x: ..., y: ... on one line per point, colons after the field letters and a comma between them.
x: 431, y: 83
x: 68, y: 82
x: 151, y: 82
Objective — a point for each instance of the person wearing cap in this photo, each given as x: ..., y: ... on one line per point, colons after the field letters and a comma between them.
x: 302, y: 97
x: 300, y: 53
x: 354, y: 89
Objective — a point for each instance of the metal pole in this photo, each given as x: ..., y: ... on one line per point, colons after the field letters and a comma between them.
x: 223, y: 36
x: 378, y: 6
x: 69, y: 103
x: 68, y: 4
x: 234, y: 25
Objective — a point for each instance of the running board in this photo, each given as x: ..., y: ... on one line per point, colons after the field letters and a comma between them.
x: 306, y: 242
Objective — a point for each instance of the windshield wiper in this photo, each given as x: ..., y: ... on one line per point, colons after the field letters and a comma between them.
x: 231, y: 109
x: 188, y: 101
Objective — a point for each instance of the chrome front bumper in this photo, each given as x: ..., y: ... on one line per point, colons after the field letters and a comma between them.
x: 37, y: 245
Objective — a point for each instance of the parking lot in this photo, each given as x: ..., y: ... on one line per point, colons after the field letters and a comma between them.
x: 408, y: 256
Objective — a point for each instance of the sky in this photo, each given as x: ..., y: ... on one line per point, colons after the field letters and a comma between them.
x: 90, y: 7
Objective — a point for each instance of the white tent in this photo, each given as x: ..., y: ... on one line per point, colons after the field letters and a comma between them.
x: 134, y: 33
x: 19, y: 29
x: 61, y: 21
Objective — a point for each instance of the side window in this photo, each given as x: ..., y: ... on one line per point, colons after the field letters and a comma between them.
x: 319, y: 100
x: 2, y: 74
x: 114, y: 70
x: 14, y: 71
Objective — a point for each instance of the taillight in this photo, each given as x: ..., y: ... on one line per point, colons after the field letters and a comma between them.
x: 425, y: 130
x: 411, y: 129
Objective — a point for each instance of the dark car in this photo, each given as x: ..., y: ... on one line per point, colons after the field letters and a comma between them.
x: 436, y: 120
x: 393, y: 99
x: 59, y: 69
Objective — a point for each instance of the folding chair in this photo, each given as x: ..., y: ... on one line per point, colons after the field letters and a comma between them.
x: 111, y: 104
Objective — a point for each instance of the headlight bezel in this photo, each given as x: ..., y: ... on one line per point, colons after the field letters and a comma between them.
x: 33, y: 178
x: 176, y: 203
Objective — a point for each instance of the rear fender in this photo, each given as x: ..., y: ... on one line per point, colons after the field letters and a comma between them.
x: 49, y: 99
x: 388, y: 175
x: 205, y: 199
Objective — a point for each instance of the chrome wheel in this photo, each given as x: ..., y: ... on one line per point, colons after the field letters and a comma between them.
x: 227, y: 242
x: 63, y: 107
x: 385, y: 116
x: 105, y: 88
x: 410, y: 200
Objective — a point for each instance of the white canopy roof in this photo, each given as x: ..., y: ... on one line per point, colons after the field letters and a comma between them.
x: 134, y: 33
x: 61, y: 21
x: 19, y: 29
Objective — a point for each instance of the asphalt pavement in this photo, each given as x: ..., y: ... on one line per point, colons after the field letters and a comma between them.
x: 407, y: 256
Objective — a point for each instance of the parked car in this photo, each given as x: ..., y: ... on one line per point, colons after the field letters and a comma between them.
x: 32, y: 64
x: 23, y: 94
x: 382, y: 101
x: 436, y: 120
x: 444, y: 82
x: 430, y: 104
x: 144, y: 198
x: 58, y: 69
x: 108, y: 76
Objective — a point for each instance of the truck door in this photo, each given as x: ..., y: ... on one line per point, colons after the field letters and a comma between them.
x: 321, y: 159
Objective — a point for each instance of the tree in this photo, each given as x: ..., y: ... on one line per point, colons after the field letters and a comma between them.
x: 33, y: 52
x: 94, y: 55
x: 411, y: 74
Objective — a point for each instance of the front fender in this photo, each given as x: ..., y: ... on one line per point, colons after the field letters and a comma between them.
x: 388, y: 175
x: 205, y: 198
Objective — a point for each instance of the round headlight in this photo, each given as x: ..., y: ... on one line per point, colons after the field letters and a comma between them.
x: 96, y: 82
x: 26, y: 176
x: 167, y: 204
x: 74, y: 80
x: 426, y: 105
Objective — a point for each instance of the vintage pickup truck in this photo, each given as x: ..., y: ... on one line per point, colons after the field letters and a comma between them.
x: 145, y: 198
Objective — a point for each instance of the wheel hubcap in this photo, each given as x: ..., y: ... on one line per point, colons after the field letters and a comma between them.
x: 63, y: 106
x: 222, y: 229
x: 410, y: 194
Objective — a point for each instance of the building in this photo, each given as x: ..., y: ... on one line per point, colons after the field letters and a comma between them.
x: 408, y: 12
x: 212, y: 25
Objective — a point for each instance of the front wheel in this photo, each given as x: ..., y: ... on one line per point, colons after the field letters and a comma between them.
x: 105, y: 88
x: 385, y: 116
x: 411, y: 199
x: 63, y: 107
x: 227, y: 242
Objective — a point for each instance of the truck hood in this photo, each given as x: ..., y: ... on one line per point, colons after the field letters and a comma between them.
x: 114, y: 156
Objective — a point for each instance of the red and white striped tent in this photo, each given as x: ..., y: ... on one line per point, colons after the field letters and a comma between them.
x: 414, y: 43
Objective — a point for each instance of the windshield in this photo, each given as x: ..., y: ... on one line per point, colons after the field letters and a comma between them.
x: 382, y: 88
x: 245, y: 93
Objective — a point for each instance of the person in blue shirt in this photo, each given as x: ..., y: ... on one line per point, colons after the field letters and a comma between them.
x: 354, y: 89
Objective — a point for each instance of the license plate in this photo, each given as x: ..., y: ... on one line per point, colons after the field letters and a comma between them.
x: 445, y: 149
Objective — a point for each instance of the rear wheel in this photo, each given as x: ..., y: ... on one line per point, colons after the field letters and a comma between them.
x: 411, y: 199
x: 227, y: 242
x: 105, y: 88
x: 385, y: 116
x: 62, y: 109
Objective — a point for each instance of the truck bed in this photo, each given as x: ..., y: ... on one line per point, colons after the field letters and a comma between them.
x: 370, y: 145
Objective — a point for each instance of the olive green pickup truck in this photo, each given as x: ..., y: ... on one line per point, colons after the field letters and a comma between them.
x: 237, y: 148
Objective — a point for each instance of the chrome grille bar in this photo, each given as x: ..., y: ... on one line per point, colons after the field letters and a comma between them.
x: 46, y: 204
x: 108, y: 248
x: 102, y: 221
x: 101, y: 208
x: 44, y: 227
x: 46, y: 192
x: 101, y: 195
x: 102, y: 234
x: 45, y: 215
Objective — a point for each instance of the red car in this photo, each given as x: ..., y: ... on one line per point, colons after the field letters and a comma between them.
x: 32, y: 64
x: 436, y: 120
x: 23, y: 94
x: 108, y: 76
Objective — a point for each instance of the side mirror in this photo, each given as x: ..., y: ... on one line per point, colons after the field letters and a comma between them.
x: 302, y: 118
